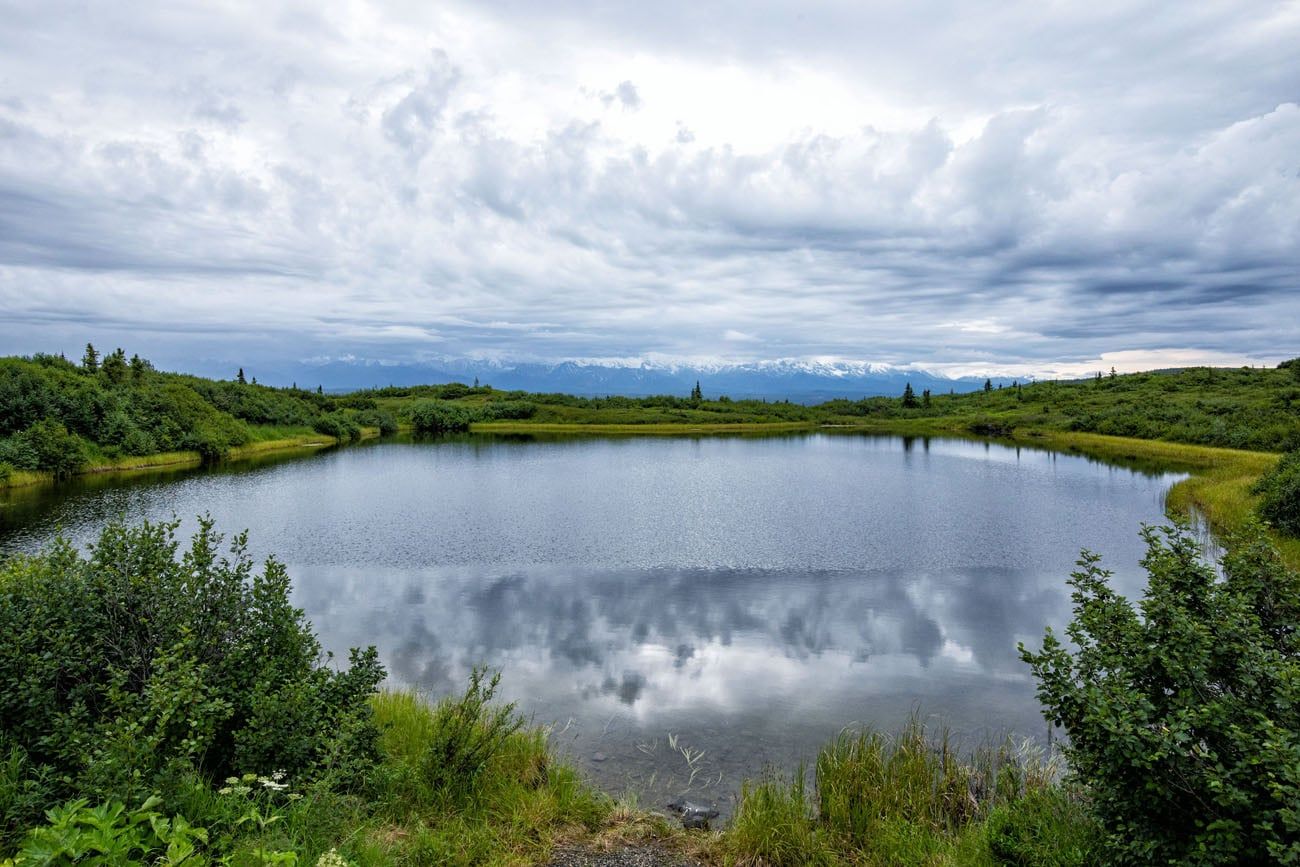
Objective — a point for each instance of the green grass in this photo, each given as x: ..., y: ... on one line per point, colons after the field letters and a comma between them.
x: 874, y: 800
x: 910, y: 799
x: 514, y: 810
x: 266, y: 439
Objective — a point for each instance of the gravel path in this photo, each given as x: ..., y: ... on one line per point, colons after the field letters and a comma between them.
x: 630, y: 856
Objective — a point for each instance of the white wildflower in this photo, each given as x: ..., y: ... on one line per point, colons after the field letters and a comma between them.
x: 332, y: 859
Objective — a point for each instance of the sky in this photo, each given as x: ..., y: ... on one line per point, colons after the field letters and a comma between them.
x: 1035, y: 187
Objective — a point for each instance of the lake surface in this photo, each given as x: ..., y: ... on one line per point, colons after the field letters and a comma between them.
x: 658, y: 598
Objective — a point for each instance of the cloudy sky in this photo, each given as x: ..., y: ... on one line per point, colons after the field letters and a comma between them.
x: 1022, y: 186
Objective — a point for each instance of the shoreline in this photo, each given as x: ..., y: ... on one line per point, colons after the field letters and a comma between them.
x: 1217, y: 488
x: 179, y: 460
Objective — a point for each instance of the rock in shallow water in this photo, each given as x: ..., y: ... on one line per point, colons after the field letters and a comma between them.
x: 694, y: 816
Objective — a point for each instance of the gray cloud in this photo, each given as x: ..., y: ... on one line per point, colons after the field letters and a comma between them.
x: 1024, y: 186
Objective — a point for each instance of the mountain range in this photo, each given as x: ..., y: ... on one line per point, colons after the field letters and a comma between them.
x: 783, y: 379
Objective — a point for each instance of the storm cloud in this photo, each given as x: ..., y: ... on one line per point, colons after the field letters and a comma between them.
x: 1031, y: 187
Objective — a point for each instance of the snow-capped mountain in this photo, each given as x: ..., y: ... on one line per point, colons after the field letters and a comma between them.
x: 800, y: 380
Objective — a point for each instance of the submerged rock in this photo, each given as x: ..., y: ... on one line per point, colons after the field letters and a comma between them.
x: 694, y: 816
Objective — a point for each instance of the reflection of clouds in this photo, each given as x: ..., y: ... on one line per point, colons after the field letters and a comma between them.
x: 664, y: 642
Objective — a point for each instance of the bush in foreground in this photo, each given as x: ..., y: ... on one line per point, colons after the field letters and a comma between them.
x: 1184, y: 712
x: 144, y: 670
x: 133, y: 665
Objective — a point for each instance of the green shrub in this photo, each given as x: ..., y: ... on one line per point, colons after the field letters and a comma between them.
x: 440, y: 416
x: 134, y: 663
x: 378, y: 418
x: 465, y: 735
x: 1183, y: 713
x: 508, y: 409
x: 46, y: 445
x: 6, y: 471
x: 339, y: 426
x: 1279, y: 495
x: 112, y: 836
x: 24, y: 794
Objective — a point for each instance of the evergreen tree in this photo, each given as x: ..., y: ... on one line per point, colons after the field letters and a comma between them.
x: 320, y: 389
x: 696, y: 393
x: 239, y: 377
x: 909, y: 397
x: 925, y: 398
x: 988, y: 385
x: 90, y: 361
x: 114, y: 366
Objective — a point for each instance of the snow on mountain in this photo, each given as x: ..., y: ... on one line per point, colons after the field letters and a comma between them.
x: 800, y: 380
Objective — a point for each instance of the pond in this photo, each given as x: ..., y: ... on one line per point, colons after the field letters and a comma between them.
x: 683, y: 612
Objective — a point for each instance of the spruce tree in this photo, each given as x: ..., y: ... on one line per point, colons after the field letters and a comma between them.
x: 909, y: 397
x: 90, y: 361
x: 239, y: 377
x: 988, y: 385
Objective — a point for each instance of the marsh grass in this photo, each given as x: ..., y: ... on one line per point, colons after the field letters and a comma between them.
x: 911, y: 799
x: 510, y: 802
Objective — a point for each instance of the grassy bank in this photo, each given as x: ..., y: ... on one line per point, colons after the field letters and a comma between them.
x: 127, y: 465
x: 870, y: 799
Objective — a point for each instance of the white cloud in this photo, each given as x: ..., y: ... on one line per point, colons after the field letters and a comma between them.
x: 1032, y: 188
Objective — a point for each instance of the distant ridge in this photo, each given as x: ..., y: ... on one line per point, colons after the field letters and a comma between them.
x: 801, y: 381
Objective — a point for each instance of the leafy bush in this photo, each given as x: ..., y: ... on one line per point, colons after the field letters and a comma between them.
x: 24, y: 794
x: 378, y: 418
x: 112, y: 836
x: 1182, y: 712
x: 509, y: 409
x: 440, y: 416
x: 339, y: 426
x: 1279, y: 494
x: 46, y: 445
x: 133, y: 663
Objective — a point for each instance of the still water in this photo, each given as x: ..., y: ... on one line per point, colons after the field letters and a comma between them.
x: 682, y: 612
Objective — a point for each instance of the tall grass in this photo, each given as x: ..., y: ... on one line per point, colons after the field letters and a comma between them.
x: 517, y: 804
x: 912, y: 799
x: 508, y: 801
